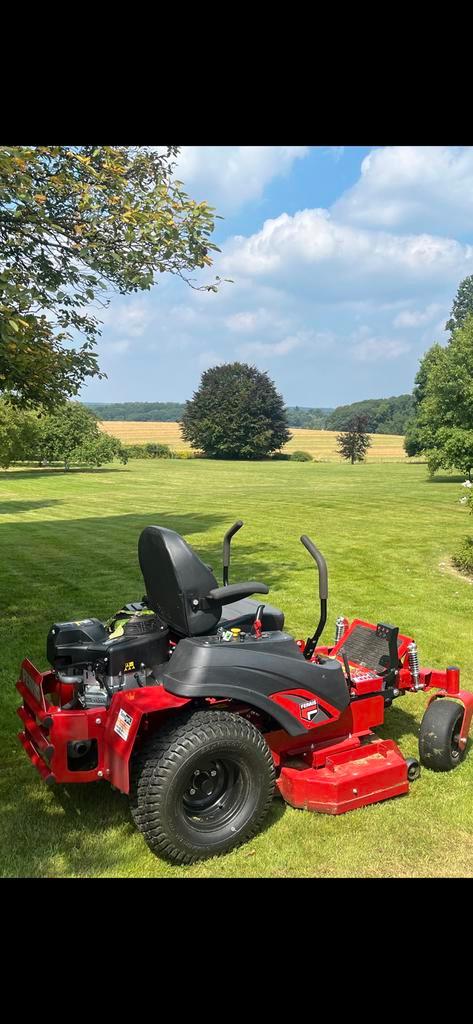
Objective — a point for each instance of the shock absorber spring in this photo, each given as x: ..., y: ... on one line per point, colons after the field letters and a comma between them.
x: 340, y: 627
x: 414, y: 665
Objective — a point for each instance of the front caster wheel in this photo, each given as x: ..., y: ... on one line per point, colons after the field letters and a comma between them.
x: 413, y: 769
x: 201, y: 785
x: 439, y: 735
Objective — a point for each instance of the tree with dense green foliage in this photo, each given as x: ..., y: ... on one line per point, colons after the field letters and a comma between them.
x: 18, y: 434
x: 71, y: 435
x: 462, y: 305
x: 76, y: 222
x: 443, y: 426
x: 236, y: 413
x: 306, y: 417
x: 383, y: 415
x: 353, y: 444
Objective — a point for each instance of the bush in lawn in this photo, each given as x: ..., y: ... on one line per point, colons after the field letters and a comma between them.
x: 300, y: 456
x: 158, y: 451
x: 184, y: 453
x: 463, y: 557
x: 136, y: 451
x: 280, y: 456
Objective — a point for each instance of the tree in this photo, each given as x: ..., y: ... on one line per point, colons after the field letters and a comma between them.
x: 95, y: 451
x: 71, y: 434
x: 443, y: 427
x: 18, y: 434
x: 236, y: 413
x: 354, y: 443
x: 76, y: 222
x: 462, y: 305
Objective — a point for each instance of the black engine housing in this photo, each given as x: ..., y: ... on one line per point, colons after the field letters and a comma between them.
x: 87, y: 642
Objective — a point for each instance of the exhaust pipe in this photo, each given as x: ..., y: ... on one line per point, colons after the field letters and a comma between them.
x: 318, y: 557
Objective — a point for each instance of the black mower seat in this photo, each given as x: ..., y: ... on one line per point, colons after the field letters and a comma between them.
x: 183, y: 591
x: 242, y: 613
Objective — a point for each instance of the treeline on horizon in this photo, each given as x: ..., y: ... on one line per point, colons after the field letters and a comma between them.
x: 383, y: 415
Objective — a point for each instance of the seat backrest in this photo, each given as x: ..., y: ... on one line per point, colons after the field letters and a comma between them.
x: 174, y: 576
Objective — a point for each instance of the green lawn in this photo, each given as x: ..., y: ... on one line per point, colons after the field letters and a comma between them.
x: 68, y: 550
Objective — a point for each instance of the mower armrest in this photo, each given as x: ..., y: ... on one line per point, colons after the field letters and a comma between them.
x: 235, y: 591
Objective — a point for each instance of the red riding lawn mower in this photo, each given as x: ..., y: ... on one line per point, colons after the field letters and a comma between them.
x: 197, y: 703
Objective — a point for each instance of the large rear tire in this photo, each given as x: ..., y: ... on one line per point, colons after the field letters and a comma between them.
x: 439, y: 735
x: 202, y: 785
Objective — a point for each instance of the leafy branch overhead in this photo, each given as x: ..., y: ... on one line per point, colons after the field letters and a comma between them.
x: 75, y: 224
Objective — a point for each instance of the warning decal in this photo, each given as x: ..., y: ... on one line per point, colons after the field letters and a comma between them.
x: 123, y: 724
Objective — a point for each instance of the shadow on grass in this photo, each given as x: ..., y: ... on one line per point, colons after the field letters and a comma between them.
x: 444, y: 479
x: 83, y: 829
x: 12, y: 507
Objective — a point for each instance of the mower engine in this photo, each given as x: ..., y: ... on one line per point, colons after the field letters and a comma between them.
x: 97, y: 660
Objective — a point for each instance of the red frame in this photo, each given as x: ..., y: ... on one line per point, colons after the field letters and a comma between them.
x: 336, y: 765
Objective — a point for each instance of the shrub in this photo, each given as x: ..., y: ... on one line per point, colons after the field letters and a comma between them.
x: 136, y: 451
x: 280, y: 456
x: 301, y: 457
x: 463, y: 557
x: 155, y: 450
x: 183, y: 453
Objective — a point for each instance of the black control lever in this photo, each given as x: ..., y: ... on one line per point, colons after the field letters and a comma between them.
x: 226, y: 548
x: 319, y: 559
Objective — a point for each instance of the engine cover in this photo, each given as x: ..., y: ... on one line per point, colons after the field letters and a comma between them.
x: 88, y: 642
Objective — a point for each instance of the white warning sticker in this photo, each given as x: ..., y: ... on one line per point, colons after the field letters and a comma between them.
x: 123, y: 724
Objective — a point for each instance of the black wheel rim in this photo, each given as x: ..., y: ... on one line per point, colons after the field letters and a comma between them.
x: 214, y: 792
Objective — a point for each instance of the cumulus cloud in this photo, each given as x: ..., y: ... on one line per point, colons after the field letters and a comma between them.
x: 418, y: 317
x: 335, y: 261
x: 229, y: 176
x: 369, y: 349
x: 421, y: 188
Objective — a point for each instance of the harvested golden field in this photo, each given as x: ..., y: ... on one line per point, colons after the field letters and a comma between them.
x: 321, y: 444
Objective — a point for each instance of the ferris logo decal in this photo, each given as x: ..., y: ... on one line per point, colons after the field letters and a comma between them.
x: 309, y: 709
x: 123, y: 724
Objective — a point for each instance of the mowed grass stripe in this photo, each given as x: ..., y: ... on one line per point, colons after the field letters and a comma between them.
x: 68, y: 550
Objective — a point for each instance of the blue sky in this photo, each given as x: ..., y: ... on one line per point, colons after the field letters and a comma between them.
x: 345, y: 263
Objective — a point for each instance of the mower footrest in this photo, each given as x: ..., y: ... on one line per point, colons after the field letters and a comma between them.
x: 349, y: 779
x: 35, y: 758
x: 36, y: 744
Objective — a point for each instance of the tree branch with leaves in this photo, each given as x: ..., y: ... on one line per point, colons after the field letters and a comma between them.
x: 76, y: 224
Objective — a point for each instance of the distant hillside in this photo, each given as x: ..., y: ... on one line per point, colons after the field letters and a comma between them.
x: 303, y: 416
x: 167, y: 412
x: 164, y: 412
x: 384, y: 415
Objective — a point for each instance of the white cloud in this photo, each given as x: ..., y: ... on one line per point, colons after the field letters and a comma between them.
x: 370, y: 349
x: 250, y: 321
x: 422, y: 188
x: 417, y: 317
x: 228, y: 176
x: 269, y: 349
x: 132, y: 318
x: 338, y: 262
